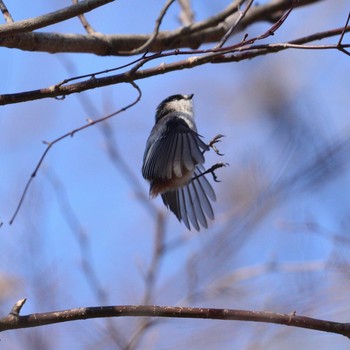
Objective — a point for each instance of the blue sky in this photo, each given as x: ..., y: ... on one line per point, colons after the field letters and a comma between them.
x: 279, y: 113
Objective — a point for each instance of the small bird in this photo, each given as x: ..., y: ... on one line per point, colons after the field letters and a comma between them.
x: 173, y: 163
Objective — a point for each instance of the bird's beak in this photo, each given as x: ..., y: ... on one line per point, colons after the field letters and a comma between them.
x: 190, y: 96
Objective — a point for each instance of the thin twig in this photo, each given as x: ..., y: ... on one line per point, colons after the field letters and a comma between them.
x: 5, y: 12
x: 106, y: 71
x: 344, y: 30
x: 71, y: 134
x: 186, y: 16
x: 341, y: 47
x: 235, y: 25
x: 123, y: 166
x: 151, y: 39
x: 84, y: 22
x: 278, y: 24
x: 17, y: 307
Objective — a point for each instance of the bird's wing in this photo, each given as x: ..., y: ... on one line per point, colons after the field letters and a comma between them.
x: 175, y: 153
x: 191, y: 203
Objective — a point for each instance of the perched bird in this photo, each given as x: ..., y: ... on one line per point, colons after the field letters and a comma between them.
x: 173, y: 163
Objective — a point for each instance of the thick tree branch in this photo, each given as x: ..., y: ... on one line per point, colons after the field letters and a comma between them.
x: 15, y: 321
x: 242, y: 51
x: 208, y: 31
x: 27, y: 25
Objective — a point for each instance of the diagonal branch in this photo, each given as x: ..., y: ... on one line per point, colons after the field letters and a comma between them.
x: 153, y: 37
x: 5, y: 12
x: 69, y: 134
x: 27, y: 25
x: 186, y: 16
x: 235, y: 25
x: 88, y: 28
x: 341, y: 47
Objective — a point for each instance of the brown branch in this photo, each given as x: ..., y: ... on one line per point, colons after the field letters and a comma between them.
x: 27, y: 25
x: 15, y: 321
x: 153, y: 37
x: 70, y: 134
x: 186, y: 16
x: 241, y: 51
x: 207, y: 31
x: 235, y: 25
x: 5, y: 12
x: 88, y: 28
x: 17, y: 307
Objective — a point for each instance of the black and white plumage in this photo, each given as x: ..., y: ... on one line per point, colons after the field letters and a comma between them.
x: 173, y: 163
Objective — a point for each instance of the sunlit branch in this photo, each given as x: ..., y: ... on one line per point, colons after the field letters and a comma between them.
x: 209, y: 30
x: 14, y: 321
x: 30, y: 24
x: 87, y: 26
x: 242, y: 51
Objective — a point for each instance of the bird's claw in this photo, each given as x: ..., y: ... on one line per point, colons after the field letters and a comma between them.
x: 212, y: 143
x: 211, y: 171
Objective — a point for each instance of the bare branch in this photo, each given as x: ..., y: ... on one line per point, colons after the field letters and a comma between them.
x: 30, y: 24
x: 344, y: 30
x: 242, y: 51
x: 186, y: 16
x: 17, y: 307
x: 235, y: 25
x: 341, y: 47
x: 206, y: 31
x: 84, y: 22
x: 5, y: 12
x: 70, y: 134
x: 45, y: 318
x: 151, y: 39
